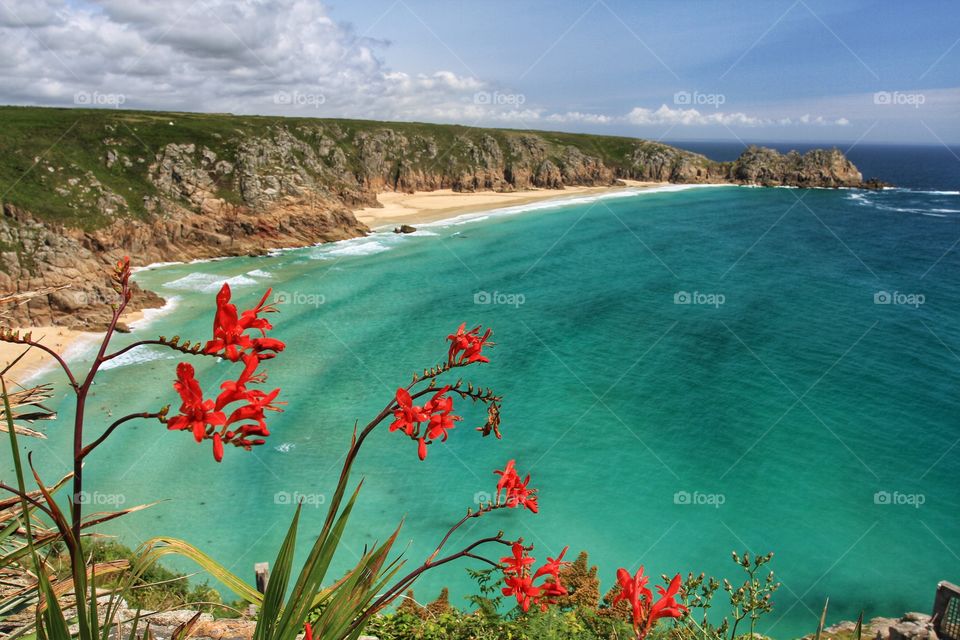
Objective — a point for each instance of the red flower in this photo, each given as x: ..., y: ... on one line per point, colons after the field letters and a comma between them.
x: 233, y: 390
x: 549, y: 592
x: 551, y: 589
x: 217, y: 446
x: 195, y: 412
x: 466, y: 347
x: 207, y: 419
x: 230, y: 330
x: 408, y: 418
x: 519, y: 561
x: 257, y: 403
x: 633, y: 589
x: 667, y: 606
x: 552, y: 566
x: 121, y: 278
x: 516, y: 491
x: 307, y: 631
x: 439, y: 408
x: 520, y: 583
x: 521, y: 587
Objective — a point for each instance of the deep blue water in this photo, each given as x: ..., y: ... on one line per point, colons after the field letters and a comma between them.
x: 804, y: 401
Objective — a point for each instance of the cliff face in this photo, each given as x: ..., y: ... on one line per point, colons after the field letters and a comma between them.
x: 173, y: 187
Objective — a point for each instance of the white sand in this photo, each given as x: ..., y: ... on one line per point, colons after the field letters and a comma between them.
x: 429, y: 206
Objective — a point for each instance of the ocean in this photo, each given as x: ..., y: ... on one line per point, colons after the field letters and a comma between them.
x: 686, y: 372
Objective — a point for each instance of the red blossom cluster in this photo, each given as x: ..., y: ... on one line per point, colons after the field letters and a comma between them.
x: 519, y: 579
x: 646, y: 611
x: 466, y: 347
x: 245, y: 426
x: 514, y: 489
x: 230, y: 337
x: 436, y: 413
x: 121, y: 278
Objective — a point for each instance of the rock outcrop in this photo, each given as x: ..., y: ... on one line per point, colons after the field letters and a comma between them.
x: 222, y: 185
x: 912, y: 626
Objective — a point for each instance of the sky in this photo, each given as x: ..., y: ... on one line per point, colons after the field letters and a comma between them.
x: 841, y: 71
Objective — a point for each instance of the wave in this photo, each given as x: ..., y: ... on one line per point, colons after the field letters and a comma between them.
x: 159, y: 265
x: 208, y: 282
x: 259, y: 273
x: 365, y: 246
x: 153, y: 265
x: 78, y: 350
x: 858, y: 197
x: 151, y: 315
x: 137, y: 356
x: 865, y: 200
x: 922, y: 191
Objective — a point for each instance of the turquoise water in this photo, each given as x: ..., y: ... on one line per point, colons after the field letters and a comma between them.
x: 782, y: 410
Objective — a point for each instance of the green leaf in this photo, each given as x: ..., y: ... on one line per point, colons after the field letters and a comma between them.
x: 54, y: 625
x: 823, y: 619
x: 154, y: 549
x: 277, y: 585
x: 356, y: 593
x: 311, y: 577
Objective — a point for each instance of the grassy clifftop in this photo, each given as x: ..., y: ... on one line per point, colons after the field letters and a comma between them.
x: 52, y: 159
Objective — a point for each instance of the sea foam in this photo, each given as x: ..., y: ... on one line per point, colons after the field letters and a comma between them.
x: 151, y: 315
x: 208, y: 282
x: 137, y: 356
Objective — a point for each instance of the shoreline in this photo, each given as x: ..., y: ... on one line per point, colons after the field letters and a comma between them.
x: 69, y: 343
x: 422, y: 207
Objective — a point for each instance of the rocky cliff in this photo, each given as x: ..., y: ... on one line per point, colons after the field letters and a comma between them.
x: 84, y: 187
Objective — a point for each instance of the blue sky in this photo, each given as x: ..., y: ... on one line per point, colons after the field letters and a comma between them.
x: 790, y: 70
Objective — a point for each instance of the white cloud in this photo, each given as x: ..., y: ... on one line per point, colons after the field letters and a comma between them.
x: 286, y: 57
x: 693, y: 117
x: 577, y: 116
x: 216, y: 55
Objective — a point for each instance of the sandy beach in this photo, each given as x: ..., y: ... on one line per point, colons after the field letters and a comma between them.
x: 67, y: 342
x: 429, y: 206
